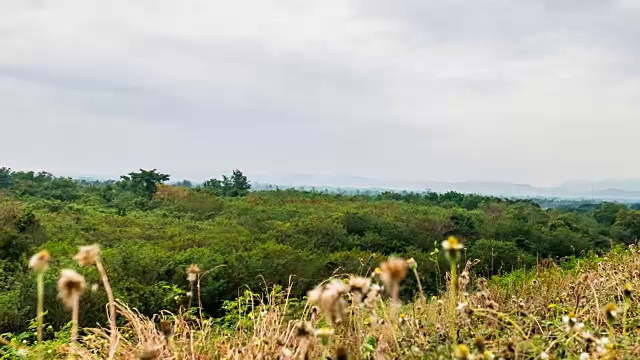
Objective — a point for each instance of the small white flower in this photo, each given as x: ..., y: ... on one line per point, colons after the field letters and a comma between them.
x: 585, y: 356
x: 22, y: 352
x: 461, y: 306
x: 544, y: 355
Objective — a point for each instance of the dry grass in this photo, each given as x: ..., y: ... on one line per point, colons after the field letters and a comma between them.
x: 587, y: 312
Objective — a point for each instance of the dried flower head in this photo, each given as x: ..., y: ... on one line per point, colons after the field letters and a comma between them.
x: 463, y: 280
x: 304, y: 330
x: 192, y: 272
x: 40, y: 261
x: 373, y: 295
x: 391, y: 273
x: 150, y: 352
x: 70, y: 286
x: 481, y: 283
x: 166, y: 327
x: 342, y: 353
x: 359, y: 287
x: 330, y: 300
x: 88, y: 255
x: 412, y: 264
x: 491, y: 305
x: 480, y: 343
x: 452, y: 248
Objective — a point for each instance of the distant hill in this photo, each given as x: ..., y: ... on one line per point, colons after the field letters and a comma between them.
x: 623, y: 190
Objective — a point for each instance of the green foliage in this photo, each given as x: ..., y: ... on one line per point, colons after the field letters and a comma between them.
x: 243, y: 239
x: 144, y: 182
x: 498, y: 256
x: 235, y: 185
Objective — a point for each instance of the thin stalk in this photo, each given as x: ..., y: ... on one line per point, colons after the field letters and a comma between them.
x: 113, y: 335
x: 624, y: 316
x: 200, y: 302
x: 40, y: 309
x: 612, y: 334
x: 325, y: 348
x: 452, y: 303
x: 190, y: 292
x: 415, y: 272
x: 74, y: 318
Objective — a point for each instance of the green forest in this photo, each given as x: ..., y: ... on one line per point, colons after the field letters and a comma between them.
x: 150, y: 232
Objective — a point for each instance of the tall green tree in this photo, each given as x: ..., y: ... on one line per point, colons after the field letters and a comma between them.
x: 235, y: 185
x: 145, y: 182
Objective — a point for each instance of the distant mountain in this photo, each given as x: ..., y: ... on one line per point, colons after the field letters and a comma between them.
x: 601, y: 185
x: 623, y: 190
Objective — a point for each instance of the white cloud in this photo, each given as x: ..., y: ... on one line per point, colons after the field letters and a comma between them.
x: 493, y: 90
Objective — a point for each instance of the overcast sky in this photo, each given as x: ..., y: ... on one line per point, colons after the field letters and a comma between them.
x: 532, y: 91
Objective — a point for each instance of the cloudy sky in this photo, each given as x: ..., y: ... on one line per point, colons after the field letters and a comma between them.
x: 533, y: 91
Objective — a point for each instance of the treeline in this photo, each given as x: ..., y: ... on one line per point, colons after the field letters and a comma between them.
x: 151, y: 232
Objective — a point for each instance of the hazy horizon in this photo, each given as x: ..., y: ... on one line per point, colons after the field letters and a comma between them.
x: 529, y: 92
x: 317, y: 179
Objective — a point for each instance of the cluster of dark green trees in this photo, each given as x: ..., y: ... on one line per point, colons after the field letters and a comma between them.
x: 151, y: 232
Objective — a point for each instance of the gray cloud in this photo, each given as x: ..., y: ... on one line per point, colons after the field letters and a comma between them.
x: 527, y: 91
